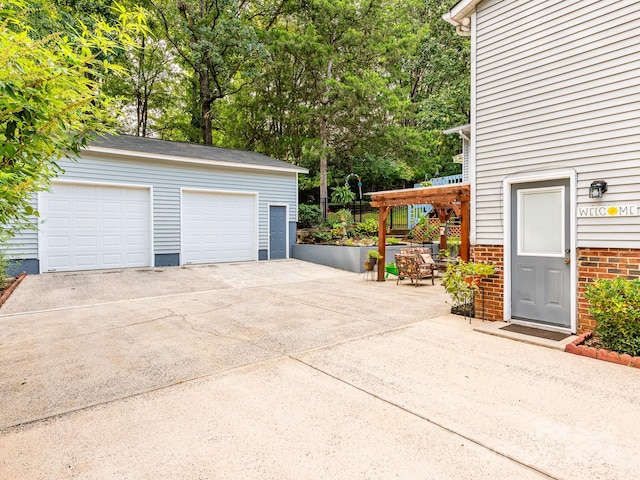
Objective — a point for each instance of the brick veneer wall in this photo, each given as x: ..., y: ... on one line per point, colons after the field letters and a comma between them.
x: 493, y: 285
x: 594, y: 263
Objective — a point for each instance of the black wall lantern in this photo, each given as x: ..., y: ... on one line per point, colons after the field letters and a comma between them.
x: 597, y: 189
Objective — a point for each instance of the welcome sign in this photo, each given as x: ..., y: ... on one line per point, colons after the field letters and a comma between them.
x: 608, y: 211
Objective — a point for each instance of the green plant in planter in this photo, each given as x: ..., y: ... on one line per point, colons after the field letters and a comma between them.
x: 321, y: 236
x: 477, y: 269
x: 373, y: 256
x: 342, y: 194
x: 344, y: 216
x: 367, y: 228
x: 615, y: 306
x: 455, y: 281
x: 338, y: 230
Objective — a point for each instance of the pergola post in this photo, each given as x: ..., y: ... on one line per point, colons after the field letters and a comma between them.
x: 382, y: 240
x: 443, y: 217
x: 465, y: 252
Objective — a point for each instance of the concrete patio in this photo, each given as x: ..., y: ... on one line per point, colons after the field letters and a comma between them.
x: 286, y: 369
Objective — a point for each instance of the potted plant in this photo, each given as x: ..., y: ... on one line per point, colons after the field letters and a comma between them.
x: 473, y: 272
x: 462, y: 279
x: 373, y: 256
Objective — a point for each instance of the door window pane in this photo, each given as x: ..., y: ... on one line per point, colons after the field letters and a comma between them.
x: 541, y: 221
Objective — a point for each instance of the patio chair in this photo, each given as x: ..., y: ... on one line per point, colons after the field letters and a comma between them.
x: 424, y: 257
x: 410, y: 267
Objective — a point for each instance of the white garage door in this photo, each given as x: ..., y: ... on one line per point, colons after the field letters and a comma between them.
x: 90, y: 227
x: 218, y: 227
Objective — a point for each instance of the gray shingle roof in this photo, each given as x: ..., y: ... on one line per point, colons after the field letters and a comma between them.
x: 155, y: 147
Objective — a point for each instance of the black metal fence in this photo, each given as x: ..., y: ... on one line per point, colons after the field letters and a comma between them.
x: 397, y: 219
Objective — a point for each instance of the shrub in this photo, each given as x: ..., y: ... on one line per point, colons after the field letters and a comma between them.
x: 615, y: 306
x: 322, y: 236
x: 338, y: 230
x: 367, y: 228
x: 341, y: 216
x: 4, y: 261
x: 309, y: 216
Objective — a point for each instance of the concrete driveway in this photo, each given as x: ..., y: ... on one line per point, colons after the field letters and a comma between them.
x: 290, y: 370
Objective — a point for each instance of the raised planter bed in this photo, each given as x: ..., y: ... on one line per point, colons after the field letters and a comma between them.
x: 578, y: 347
x: 339, y: 256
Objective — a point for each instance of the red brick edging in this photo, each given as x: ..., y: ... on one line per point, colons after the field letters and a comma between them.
x: 11, y: 288
x: 577, y: 348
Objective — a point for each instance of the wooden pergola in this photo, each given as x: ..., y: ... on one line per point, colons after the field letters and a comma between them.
x: 446, y: 200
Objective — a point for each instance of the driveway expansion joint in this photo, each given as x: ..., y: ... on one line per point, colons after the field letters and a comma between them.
x: 431, y: 421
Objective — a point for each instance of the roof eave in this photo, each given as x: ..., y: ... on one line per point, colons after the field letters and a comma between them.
x: 462, y: 9
x: 461, y: 128
x: 201, y: 161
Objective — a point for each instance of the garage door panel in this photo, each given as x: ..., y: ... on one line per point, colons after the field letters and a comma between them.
x: 112, y: 208
x: 85, y: 260
x: 86, y: 241
x: 60, y: 262
x: 59, y: 206
x: 86, y: 207
x: 218, y: 227
x: 84, y: 223
x: 89, y: 227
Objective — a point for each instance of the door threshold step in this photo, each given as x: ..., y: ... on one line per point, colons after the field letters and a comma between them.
x: 533, y: 337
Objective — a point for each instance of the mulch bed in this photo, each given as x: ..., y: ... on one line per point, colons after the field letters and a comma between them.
x: 588, y: 345
x: 12, y: 284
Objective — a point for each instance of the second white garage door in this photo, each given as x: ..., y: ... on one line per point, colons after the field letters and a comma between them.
x: 218, y: 227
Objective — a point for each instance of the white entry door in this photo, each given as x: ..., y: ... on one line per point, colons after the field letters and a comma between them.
x: 218, y: 227
x: 89, y: 227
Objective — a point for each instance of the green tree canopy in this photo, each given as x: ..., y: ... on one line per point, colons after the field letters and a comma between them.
x: 50, y: 97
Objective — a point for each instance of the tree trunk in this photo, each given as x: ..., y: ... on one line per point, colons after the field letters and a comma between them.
x: 207, y: 137
x: 324, y: 193
x: 205, y: 102
x: 324, y: 138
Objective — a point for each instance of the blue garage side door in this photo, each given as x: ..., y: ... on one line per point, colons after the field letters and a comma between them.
x: 277, y: 232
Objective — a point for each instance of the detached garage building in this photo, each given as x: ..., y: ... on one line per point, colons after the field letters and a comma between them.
x: 141, y: 202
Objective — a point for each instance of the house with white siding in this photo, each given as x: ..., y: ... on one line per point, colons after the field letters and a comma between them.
x: 554, y: 151
x: 141, y: 202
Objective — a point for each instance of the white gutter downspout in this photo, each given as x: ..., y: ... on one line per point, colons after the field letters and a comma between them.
x: 463, y: 136
x: 463, y: 27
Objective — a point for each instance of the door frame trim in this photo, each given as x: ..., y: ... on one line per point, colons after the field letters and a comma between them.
x: 541, y: 176
x: 286, y: 226
x: 43, y: 227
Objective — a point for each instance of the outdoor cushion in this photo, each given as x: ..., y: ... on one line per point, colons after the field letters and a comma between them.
x: 426, y: 257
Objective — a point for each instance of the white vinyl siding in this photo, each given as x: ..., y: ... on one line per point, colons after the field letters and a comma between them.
x: 465, y: 160
x: 557, y: 87
x: 24, y: 244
